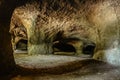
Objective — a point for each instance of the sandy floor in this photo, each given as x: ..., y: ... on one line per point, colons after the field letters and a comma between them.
x: 41, y: 61
x: 41, y: 67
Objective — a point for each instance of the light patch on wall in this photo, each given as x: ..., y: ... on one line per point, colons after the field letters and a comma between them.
x: 105, y: 14
x: 112, y: 56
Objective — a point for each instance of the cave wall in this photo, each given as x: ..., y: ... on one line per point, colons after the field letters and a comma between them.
x: 6, y: 8
x: 94, y: 20
x: 43, y: 20
x: 7, y: 64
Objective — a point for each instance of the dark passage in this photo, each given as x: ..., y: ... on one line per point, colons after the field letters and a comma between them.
x: 88, y: 48
x: 64, y: 47
x: 22, y: 45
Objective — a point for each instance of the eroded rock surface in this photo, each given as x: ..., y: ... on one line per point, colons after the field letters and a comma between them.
x: 77, y: 23
x: 46, y: 24
x: 88, y: 21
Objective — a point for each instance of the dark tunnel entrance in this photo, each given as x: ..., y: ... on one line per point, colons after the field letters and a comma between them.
x: 22, y: 45
x: 64, y: 47
x: 89, y: 49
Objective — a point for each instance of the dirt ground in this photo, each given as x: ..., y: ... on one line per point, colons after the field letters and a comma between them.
x: 57, y: 67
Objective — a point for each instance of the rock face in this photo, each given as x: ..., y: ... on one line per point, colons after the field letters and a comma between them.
x: 44, y: 24
x: 80, y: 24
x: 7, y: 63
